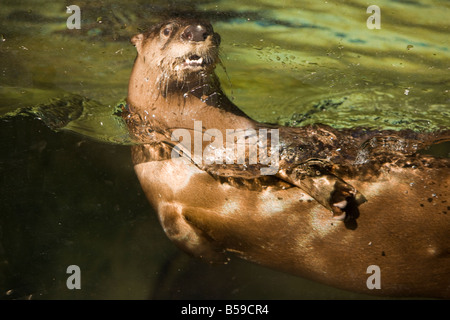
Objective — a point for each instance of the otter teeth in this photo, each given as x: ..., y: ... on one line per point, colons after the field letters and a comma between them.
x: 194, y: 62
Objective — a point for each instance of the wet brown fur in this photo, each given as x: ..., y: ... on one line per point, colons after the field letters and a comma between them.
x: 214, y: 211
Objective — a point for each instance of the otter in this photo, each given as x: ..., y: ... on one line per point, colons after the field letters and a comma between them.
x: 317, y: 202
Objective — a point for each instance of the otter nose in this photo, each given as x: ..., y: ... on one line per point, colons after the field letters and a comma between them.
x: 195, y: 33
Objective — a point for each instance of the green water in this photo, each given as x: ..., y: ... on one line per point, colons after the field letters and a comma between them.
x: 68, y: 191
x: 281, y: 59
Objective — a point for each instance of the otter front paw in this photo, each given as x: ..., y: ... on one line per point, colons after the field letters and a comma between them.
x: 315, y: 178
x: 341, y: 199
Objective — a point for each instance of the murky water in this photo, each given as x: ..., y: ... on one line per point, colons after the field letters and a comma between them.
x: 68, y: 190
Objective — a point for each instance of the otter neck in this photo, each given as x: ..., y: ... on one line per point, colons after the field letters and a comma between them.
x: 178, y: 104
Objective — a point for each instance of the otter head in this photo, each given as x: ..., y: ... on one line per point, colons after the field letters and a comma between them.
x: 177, y: 53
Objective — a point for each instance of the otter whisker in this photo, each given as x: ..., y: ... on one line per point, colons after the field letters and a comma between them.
x: 220, y: 62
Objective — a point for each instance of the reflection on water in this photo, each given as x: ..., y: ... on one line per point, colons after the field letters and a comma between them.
x: 69, y: 199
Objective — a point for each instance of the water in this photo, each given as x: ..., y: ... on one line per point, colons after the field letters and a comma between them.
x: 68, y: 190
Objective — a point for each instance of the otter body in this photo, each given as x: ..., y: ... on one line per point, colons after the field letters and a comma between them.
x: 337, y: 202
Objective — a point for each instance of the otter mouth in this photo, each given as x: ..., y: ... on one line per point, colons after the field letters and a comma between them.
x: 193, y: 63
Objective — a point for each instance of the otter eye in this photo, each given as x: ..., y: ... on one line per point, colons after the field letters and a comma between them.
x: 166, y: 31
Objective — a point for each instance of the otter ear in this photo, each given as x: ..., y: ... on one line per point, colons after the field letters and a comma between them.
x: 137, y: 41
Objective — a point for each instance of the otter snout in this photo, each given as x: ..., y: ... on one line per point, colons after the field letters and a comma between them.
x: 195, y: 33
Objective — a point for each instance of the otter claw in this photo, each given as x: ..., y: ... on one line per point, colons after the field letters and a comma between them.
x: 339, y: 217
x: 338, y: 210
x: 341, y: 204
